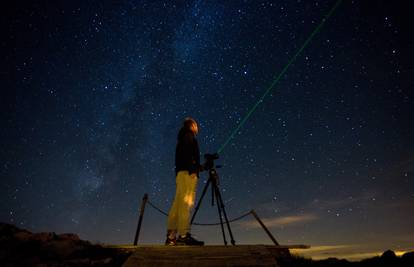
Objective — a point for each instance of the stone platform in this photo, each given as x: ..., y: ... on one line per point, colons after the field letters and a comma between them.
x: 203, y: 256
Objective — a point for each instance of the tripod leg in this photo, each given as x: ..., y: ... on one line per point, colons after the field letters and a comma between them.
x: 221, y: 203
x: 212, y: 196
x: 199, y: 201
x: 216, y: 190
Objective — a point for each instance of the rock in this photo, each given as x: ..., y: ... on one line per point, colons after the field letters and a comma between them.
x: 8, y: 231
x: 69, y: 236
x: 23, y: 235
x: 60, y: 248
x: 79, y: 262
x: 44, y: 237
x: 20, y: 247
x: 408, y: 258
x: 102, y: 262
x: 389, y: 254
x: 408, y: 255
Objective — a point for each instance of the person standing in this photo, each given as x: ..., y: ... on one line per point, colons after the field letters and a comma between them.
x: 187, y: 168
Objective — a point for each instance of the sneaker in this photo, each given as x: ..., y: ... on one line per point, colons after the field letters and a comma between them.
x: 187, y: 240
x: 170, y: 241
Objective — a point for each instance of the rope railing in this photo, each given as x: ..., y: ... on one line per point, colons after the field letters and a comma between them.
x: 145, y: 201
x: 200, y: 224
x: 157, y: 209
x: 232, y: 220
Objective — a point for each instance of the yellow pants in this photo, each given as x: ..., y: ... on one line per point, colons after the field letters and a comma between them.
x: 179, y: 215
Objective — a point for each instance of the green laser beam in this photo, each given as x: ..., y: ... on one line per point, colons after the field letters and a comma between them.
x: 279, y: 76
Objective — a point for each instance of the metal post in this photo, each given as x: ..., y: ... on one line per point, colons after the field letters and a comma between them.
x: 141, y: 215
x: 264, y: 227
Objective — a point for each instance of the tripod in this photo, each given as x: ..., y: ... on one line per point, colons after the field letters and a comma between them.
x: 213, y: 179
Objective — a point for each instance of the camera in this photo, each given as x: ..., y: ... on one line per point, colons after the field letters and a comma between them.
x: 209, y: 163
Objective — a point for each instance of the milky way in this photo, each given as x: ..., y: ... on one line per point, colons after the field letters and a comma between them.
x: 94, y: 93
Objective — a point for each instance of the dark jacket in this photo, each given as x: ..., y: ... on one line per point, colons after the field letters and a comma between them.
x: 187, y: 153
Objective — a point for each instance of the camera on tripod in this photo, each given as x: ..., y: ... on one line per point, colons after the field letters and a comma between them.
x: 213, y: 180
x: 209, y: 163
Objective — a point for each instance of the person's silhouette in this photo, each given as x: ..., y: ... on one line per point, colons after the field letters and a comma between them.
x: 187, y: 167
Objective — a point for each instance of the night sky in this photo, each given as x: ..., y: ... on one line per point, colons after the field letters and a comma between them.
x: 93, y: 95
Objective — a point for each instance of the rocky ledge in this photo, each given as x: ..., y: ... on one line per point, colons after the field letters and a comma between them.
x: 20, y: 247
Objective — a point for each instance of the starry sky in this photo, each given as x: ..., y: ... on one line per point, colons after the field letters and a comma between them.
x: 93, y: 94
